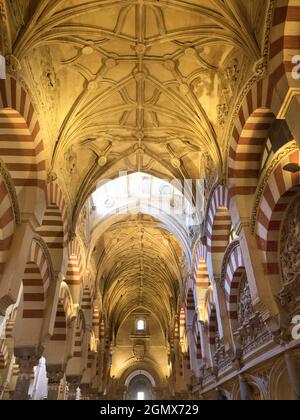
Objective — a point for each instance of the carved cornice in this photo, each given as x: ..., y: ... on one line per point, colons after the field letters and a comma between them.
x: 11, y: 191
x: 231, y: 247
x: 279, y: 156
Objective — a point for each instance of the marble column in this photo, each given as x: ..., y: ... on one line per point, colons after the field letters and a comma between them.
x: 27, y: 359
x: 55, y: 374
x: 293, y: 368
x: 73, y: 384
x: 245, y: 390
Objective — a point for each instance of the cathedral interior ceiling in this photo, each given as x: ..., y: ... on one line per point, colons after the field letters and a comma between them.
x: 136, y: 86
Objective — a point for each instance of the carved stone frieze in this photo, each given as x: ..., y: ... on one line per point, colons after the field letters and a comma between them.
x: 252, y: 332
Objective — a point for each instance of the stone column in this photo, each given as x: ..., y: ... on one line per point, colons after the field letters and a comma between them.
x: 27, y: 359
x: 245, y: 390
x: 55, y: 375
x: 293, y: 368
x: 73, y: 385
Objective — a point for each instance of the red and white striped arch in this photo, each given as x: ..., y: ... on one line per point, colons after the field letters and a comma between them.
x: 285, y: 44
x: 36, y: 281
x: 248, y: 143
x: 74, y: 275
x: 7, y: 222
x: 235, y: 269
x: 54, y: 228
x: 280, y: 190
x: 200, y: 253
x: 218, y: 225
x: 96, y: 320
x: 264, y: 101
x: 21, y: 144
x: 211, y: 317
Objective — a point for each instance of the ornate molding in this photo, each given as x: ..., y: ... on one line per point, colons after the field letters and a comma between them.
x: 279, y: 156
x: 11, y: 191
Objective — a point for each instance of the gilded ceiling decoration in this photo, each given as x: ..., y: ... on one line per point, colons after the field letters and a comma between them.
x: 137, y: 86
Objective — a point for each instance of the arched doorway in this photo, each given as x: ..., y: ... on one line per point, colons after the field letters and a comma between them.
x: 140, y: 385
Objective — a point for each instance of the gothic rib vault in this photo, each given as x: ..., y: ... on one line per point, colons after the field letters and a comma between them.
x: 164, y: 90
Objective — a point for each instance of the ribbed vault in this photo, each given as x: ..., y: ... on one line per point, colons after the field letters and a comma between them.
x: 136, y: 85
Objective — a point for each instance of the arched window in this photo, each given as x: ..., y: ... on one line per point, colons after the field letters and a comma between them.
x: 140, y: 325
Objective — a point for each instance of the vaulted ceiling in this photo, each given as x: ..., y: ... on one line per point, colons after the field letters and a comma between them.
x: 137, y: 86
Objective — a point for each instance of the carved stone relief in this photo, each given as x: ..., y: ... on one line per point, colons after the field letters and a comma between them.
x: 289, y: 296
x: 252, y: 332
